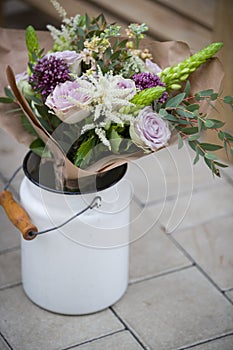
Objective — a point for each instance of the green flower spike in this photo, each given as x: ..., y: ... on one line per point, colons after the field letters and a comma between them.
x: 147, y: 96
x: 32, y: 43
x: 174, y: 75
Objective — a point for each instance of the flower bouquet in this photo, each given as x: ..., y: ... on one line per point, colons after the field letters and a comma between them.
x: 98, y: 99
x: 92, y: 101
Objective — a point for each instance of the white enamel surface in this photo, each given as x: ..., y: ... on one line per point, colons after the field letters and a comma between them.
x: 82, y: 267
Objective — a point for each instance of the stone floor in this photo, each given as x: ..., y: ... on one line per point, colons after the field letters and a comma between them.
x: 180, y: 294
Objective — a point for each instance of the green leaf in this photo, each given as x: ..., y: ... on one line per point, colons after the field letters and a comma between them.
x: 231, y: 150
x: 115, y: 55
x: 180, y: 141
x: 36, y: 100
x: 115, y: 140
x: 214, y: 96
x: 210, y: 146
x: 189, y: 131
x: 209, y: 123
x: 199, y: 124
x: 193, y: 137
x: 193, y: 145
x: 6, y: 100
x: 196, y: 159
x: 193, y: 107
x: 27, y: 126
x: 228, y: 136
x: 213, y: 123
x: 210, y: 156
x: 9, y: 93
x: 184, y: 113
x: 84, y: 151
x: 175, y: 101
x: 221, y: 165
x: 163, y: 112
x: 171, y: 118
x: 38, y: 147
x: 221, y: 135
x: 211, y: 165
x: 206, y: 93
x: 228, y: 99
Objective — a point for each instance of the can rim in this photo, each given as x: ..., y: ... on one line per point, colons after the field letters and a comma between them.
x: 102, y: 181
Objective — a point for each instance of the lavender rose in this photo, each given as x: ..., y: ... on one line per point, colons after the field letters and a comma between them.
x: 69, y: 102
x: 127, y: 87
x: 152, y: 67
x: 149, y: 131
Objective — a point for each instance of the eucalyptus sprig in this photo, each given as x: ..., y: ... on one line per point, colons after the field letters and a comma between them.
x: 183, y: 112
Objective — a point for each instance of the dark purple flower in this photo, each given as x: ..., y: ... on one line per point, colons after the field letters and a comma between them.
x: 47, y: 74
x: 146, y: 80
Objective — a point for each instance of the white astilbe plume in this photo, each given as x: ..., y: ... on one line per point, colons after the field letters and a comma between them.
x: 64, y: 37
x: 60, y: 10
x: 102, y: 136
x: 108, y: 95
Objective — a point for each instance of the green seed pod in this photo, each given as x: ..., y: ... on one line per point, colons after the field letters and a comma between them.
x: 147, y: 96
x: 171, y: 75
x: 175, y: 87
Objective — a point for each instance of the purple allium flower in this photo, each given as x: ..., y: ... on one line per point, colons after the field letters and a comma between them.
x: 72, y: 58
x: 47, y: 74
x: 146, y: 80
x: 149, y: 131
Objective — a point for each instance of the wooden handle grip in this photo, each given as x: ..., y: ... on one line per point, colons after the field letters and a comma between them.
x: 17, y: 215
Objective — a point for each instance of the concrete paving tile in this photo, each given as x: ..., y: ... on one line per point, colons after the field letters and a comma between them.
x: 10, y: 272
x: 190, y: 210
x: 210, y: 245
x: 11, y: 157
x: 168, y: 172
x: 3, y: 344
x: 175, y: 310
x: 151, y: 251
x: 26, y: 326
x: 225, y: 343
x: 9, y: 235
x: 122, y: 341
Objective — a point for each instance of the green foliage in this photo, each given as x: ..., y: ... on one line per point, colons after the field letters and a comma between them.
x: 28, y: 126
x: 84, y: 151
x: 32, y: 44
x: 38, y: 147
x: 190, y: 122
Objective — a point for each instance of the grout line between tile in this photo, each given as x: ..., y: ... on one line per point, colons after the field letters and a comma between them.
x: 92, y: 340
x: 148, y: 278
x: 182, y: 194
x: 206, y: 341
x: 8, y: 286
x: 8, y: 250
x: 127, y: 327
x: 179, y: 246
x: 5, y: 340
x: 189, y: 227
x: 228, y: 178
